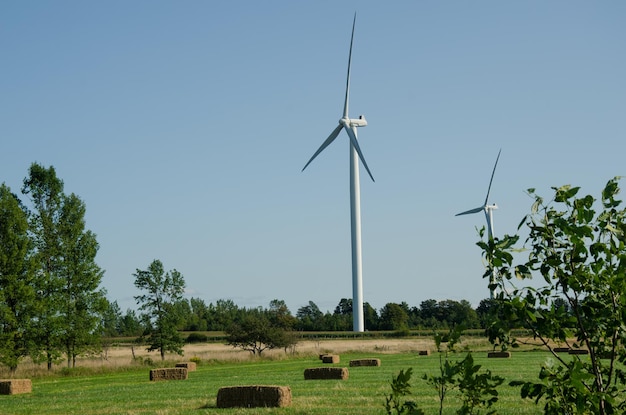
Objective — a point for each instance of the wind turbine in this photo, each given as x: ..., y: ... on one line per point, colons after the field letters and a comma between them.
x: 488, y: 209
x: 350, y: 125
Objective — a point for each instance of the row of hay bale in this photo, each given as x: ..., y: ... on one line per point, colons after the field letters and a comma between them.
x: 280, y: 396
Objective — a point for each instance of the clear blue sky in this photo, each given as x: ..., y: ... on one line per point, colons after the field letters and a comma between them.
x: 184, y: 126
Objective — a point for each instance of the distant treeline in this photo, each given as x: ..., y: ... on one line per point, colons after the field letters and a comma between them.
x: 195, y: 315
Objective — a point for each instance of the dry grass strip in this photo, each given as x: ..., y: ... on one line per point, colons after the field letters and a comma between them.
x: 365, y: 362
x: 170, y: 373
x: 190, y: 366
x: 253, y: 396
x: 15, y: 386
x: 340, y: 373
x: 330, y: 358
x: 499, y: 354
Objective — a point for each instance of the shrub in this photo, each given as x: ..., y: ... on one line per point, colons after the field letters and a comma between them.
x: 197, y: 338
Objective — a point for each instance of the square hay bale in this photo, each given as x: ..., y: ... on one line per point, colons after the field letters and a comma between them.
x: 499, y: 354
x: 424, y: 353
x: 365, y: 362
x: 578, y: 351
x: 170, y: 373
x: 190, y: 366
x: 330, y: 358
x: 561, y: 349
x: 340, y: 373
x: 15, y: 386
x: 253, y: 396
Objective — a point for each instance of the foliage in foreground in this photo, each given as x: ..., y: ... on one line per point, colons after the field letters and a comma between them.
x: 477, y: 388
x: 579, y: 253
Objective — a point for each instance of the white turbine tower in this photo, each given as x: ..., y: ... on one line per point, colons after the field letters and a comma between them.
x: 488, y: 209
x: 350, y: 125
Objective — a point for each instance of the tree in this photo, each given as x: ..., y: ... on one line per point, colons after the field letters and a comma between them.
x: 342, y: 316
x: 310, y: 318
x: 580, y: 255
x: 280, y: 315
x: 200, y: 315
x: 256, y: 333
x: 370, y: 316
x: 130, y: 324
x: 46, y: 192
x: 223, y: 313
x: 82, y: 302
x: 163, y: 291
x: 393, y: 317
x: 17, y: 294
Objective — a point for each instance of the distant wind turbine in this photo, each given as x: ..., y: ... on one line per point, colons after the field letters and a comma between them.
x: 350, y: 125
x: 488, y: 209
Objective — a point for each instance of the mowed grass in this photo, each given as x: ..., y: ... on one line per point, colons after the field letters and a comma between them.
x: 129, y: 391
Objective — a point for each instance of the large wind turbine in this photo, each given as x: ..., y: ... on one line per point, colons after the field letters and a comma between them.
x: 350, y: 125
x: 488, y: 209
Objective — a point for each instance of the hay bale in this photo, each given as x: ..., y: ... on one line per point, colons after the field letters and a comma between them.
x: 15, y: 386
x: 499, y: 354
x: 561, y: 349
x: 578, y: 351
x: 253, y: 396
x: 330, y: 358
x: 340, y: 373
x: 190, y: 366
x: 365, y: 362
x: 424, y: 353
x: 170, y: 373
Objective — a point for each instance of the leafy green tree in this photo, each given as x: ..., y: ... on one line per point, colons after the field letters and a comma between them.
x: 82, y: 301
x: 222, y: 314
x: 577, y: 246
x: 255, y: 333
x: 163, y: 291
x: 310, y: 318
x: 130, y: 324
x: 370, y: 316
x: 45, y: 190
x: 280, y: 315
x: 17, y: 294
x: 111, y: 319
x: 393, y: 317
x: 200, y: 315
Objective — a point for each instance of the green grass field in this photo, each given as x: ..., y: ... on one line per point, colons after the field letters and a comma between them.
x: 129, y: 391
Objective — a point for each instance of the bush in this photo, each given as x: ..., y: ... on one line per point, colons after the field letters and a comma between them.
x: 197, y: 338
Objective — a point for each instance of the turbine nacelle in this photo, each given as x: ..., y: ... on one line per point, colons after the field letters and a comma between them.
x: 353, y: 122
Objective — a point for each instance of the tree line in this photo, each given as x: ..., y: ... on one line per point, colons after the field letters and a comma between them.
x: 195, y: 315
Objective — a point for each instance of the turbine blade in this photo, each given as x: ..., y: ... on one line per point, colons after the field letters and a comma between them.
x: 355, y: 143
x: 325, y: 144
x: 345, y: 104
x: 469, y: 212
x: 492, y: 173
